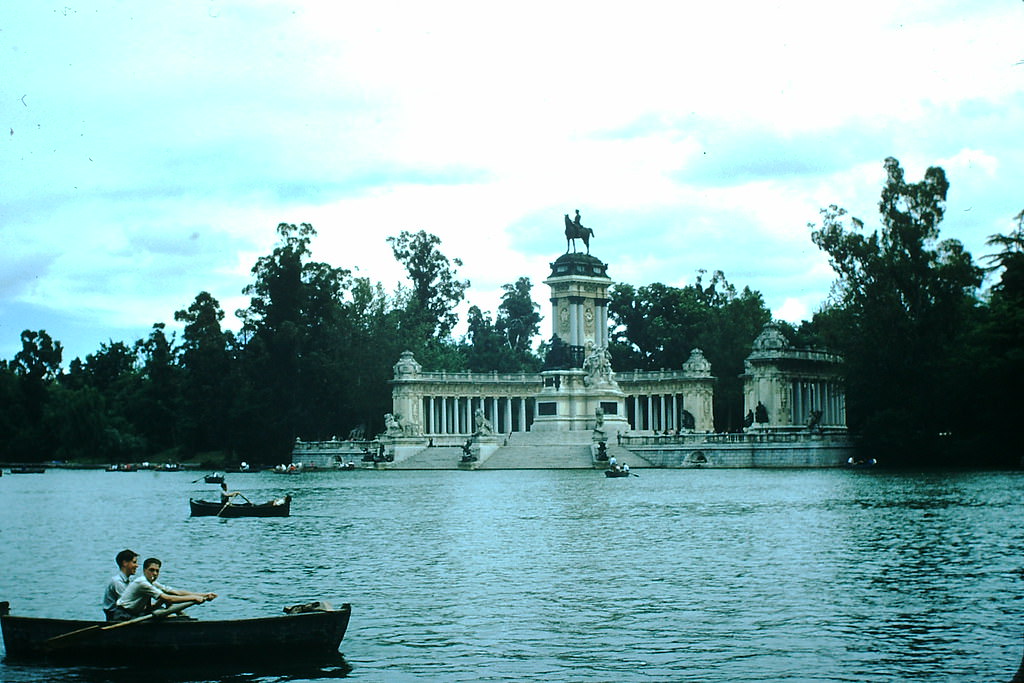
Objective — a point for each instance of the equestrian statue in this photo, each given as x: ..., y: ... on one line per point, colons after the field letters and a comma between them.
x: 574, y: 230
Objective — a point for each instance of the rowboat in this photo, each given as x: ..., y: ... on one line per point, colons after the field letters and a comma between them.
x: 313, y: 631
x: 279, y: 507
x: 214, y: 478
x: 616, y: 473
x: 28, y: 469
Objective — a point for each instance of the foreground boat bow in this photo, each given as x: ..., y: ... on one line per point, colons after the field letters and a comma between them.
x: 309, y: 633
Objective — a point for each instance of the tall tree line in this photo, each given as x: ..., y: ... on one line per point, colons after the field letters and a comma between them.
x: 933, y: 360
x: 312, y: 359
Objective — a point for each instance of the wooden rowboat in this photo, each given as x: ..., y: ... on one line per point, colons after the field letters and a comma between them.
x: 616, y: 473
x: 313, y: 632
x: 281, y: 507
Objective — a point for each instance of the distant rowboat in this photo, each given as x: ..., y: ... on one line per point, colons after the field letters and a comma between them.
x: 280, y: 507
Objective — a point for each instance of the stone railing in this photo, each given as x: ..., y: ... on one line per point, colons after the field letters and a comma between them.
x: 769, y: 435
x: 472, y: 377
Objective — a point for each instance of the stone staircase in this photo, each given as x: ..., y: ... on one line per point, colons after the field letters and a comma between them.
x: 537, y: 457
x: 544, y: 450
x: 436, y: 458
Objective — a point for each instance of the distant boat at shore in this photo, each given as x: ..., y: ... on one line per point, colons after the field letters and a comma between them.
x: 28, y: 469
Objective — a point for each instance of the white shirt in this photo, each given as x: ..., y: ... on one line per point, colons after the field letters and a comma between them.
x: 118, y: 583
x: 137, y: 595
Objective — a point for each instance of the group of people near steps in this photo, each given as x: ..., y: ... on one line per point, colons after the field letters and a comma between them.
x: 128, y: 596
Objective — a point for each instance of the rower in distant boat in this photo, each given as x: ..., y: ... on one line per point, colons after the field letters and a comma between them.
x: 225, y: 495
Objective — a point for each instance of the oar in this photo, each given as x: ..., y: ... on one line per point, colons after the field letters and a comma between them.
x: 96, y: 628
x: 225, y: 507
x: 229, y: 502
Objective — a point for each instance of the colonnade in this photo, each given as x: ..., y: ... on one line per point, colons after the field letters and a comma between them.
x: 455, y: 414
x: 817, y: 394
x: 655, y: 412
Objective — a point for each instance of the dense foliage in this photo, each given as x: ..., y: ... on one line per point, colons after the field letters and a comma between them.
x: 312, y: 360
x: 932, y: 361
x: 657, y: 326
x: 925, y: 357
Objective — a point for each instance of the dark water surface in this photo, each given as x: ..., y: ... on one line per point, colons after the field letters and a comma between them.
x: 672, y: 575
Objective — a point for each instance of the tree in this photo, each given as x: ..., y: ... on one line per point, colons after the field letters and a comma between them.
x: 36, y: 366
x: 657, y: 326
x: 105, y: 369
x: 156, y: 406
x: 436, y: 291
x: 293, y: 327
x: 485, y: 348
x: 518, y: 316
x: 654, y: 326
x: 205, y: 363
x: 907, y: 299
x: 994, y: 363
x: 1009, y: 258
x: 39, y: 358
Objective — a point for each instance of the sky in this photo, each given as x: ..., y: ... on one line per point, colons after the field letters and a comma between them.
x: 149, y: 150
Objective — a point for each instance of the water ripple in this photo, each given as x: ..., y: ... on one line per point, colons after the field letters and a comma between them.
x: 709, y: 576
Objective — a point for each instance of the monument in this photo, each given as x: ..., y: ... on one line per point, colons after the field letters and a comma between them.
x: 578, y: 380
x: 580, y: 412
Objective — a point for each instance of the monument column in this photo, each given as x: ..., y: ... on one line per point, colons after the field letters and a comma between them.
x: 580, y: 385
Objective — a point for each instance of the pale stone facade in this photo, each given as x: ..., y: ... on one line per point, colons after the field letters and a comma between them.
x: 579, y: 300
x: 433, y: 403
x: 792, y: 383
x: 578, y: 408
x: 571, y: 398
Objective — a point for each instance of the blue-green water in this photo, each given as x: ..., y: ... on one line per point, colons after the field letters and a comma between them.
x: 672, y: 575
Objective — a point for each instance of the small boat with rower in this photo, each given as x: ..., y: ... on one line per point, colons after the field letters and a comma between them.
x: 611, y: 473
x: 304, y: 632
x: 279, y: 507
x: 860, y: 463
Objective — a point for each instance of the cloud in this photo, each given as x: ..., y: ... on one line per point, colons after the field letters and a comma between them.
x: 156, y: 147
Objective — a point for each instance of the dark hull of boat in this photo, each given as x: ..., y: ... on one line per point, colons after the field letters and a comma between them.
x: 204, y: 508
x: 290, y: 638
x: 616, y: 473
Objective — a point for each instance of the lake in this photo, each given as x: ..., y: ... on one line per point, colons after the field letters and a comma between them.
x: 562, y: 575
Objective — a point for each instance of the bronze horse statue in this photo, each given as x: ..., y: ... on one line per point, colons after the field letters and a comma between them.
x: 574, y: 231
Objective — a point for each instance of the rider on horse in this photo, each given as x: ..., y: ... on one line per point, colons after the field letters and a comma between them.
x: 574, y: 230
